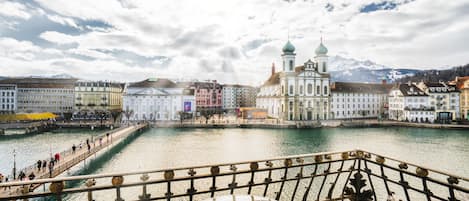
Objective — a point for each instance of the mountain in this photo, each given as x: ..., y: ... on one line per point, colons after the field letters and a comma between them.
x: 351, y: 70
x: 438, y: 75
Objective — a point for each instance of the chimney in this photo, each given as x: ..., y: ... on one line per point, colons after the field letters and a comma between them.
x: 273, y: 68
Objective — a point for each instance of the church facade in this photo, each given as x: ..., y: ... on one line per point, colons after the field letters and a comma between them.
x: 298, y: 93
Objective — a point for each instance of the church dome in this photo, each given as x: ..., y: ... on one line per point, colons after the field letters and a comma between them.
x: 288, y: 48
x: 321, y: 50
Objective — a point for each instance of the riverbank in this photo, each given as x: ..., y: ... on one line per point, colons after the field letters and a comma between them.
x: 301, y: 125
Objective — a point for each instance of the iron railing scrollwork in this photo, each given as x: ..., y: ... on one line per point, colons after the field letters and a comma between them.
x: 355, y: 175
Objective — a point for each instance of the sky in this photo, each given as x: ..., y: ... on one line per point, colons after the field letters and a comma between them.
x: 232, y: 41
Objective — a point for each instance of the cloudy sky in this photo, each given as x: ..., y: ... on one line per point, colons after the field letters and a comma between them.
x: 234, y: 41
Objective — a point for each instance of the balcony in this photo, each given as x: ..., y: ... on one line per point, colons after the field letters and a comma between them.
x: 355, y: 175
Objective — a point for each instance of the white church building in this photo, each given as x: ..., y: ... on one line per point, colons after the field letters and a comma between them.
x: 298, y: 93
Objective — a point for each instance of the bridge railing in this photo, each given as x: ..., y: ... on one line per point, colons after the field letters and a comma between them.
x: 67, y: 153
x: 349, y: 175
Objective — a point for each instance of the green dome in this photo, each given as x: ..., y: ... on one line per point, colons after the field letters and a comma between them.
x: 288, y: 48
x: 321, y: 50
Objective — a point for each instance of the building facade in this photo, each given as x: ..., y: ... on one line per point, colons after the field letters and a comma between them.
x: 462, y: 84
x: 359, y: 100
x: 157, y: 100
x: 208, y: 96
x: 98, y: 96
x: 444, y: 98
x: 36, y: 95
x: 236, y: 96
x: 8, y: 94
x: 407, y: 102
x: 299, y: 93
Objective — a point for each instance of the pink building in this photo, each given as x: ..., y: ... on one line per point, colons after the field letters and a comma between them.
x: 208, y: 95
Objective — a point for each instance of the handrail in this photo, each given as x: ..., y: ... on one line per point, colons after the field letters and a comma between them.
x: 365, y: 171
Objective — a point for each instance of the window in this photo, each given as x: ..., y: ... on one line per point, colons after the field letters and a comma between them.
x: 301, y: 89
x: 291, y: 65
x: 310, y: 88
x: 324, y: 68
x: 318, y: 89
x: 325, y: 90
x: 291, y: 90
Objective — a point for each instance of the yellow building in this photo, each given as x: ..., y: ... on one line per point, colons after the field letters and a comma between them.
x: 462, y: 83
x: 92, y: 97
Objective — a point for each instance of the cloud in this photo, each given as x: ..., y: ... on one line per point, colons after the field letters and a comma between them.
x: 13, y: 9
x: 233, y: 40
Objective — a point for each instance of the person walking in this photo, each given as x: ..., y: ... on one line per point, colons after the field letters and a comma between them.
x: 39, y: 165
x: 6, y: 181
x: 107, y: 137
x: 89, y: 148
x: 73, y: 148
x: 22, y: 175
x: 44, y: 165
x: 1, y: 178
x: 51, y: 168
x: 100, y: 141
x: 31, y: 176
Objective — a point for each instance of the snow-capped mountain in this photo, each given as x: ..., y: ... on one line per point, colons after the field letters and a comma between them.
x: 352, y: 70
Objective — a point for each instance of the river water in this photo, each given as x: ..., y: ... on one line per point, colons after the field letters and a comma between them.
x: 446, y: 150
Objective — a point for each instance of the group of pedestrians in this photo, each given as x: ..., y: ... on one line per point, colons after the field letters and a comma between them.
x: 4, y: 178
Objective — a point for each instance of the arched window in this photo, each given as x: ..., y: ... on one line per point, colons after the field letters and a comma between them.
x: 301, y: 89
x: 290, y: 107
x: 291, y: 90
x: 310, y: 88
x: 318, y: 89
x: 283, y: 89
x: 291, y: 65
x: 325, y: 90
x: 284, y: 66
x: 324, y: 67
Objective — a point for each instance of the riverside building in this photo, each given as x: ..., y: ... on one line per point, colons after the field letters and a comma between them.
x: 36, y: 95
x: 236, y: 96
x: 359, y: 100
x: 462, y: 84
x: 444, y: 98
x: 7, y: 98
x: 208, y: 96
x: 93, y: 97
x: 407, y: 102
x: 157, y: 99
x: 298, y: 93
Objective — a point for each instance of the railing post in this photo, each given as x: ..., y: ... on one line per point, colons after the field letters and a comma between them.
x: 287, y: 163
x: 214, y: 170
x: 423, y: 173
x: 191, y: 191
x: 168, y: 176
x: 117, y: 182
x: 253, y: 166
x: 89, y: 183
x: 298, y: 176
x: 269, y: 176
x: 144, y: 196
x: 233, y: 183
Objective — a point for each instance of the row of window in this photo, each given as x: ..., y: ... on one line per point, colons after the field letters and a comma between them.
x: 8, y: 106
x: 68, y: 91
x: 291, y: 90
x: 358, y: 105
x: 367, y: 112
x: 358, y: 99
x: 8, y: 93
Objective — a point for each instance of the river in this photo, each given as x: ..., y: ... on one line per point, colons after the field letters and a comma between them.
x: 445, y: 150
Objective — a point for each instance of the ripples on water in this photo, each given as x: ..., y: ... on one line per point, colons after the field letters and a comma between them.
x: 446, y: 150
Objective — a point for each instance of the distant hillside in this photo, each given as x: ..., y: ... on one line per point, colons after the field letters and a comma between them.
x: 371, y: 75
x: 437, y: 75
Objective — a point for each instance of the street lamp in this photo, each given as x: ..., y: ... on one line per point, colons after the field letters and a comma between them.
x: 14, y: 164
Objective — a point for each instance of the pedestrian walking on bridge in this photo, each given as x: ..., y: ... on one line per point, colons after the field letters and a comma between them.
x: 44, y: 165
x: 39, y: 165
x: 73, y: 148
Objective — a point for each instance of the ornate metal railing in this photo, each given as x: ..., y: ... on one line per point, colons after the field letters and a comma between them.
x: 351, y: 175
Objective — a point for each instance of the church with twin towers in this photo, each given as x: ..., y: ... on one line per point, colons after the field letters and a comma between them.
x: 297, y: 92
